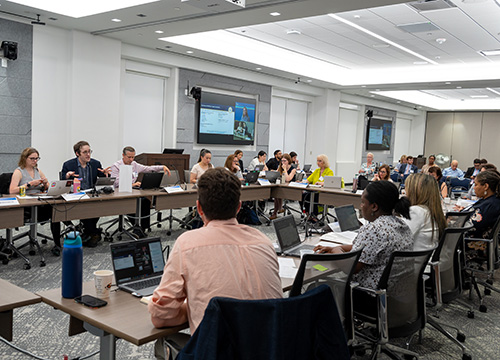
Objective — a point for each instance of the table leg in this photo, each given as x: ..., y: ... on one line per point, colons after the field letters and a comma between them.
x: 6, y: 321
x: 107, y: 342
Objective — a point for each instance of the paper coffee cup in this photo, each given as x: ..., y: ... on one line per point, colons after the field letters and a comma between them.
x: 305, y: 252
x: 103, y: 280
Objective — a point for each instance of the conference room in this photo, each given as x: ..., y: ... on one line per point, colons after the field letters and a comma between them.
x: 309, y: 71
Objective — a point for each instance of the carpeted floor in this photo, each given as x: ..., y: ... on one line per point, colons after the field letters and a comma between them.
x: 43, y: 330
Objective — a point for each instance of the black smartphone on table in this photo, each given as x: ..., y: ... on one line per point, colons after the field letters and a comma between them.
x: 90, y: 301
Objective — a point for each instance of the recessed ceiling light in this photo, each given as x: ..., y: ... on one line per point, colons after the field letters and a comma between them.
x: 78, y: 9
x: 448, y: 83
x: 258, y: 69
x: 189, y: 52
x: 490, y: 52
x: 420, y: 63
x: 437, y: 57
x: 116, y: 20
x: 399, y: 102
x: 275, y: 14
x: 372, y: 95
x: 357, y: 16
x: 363, y: 86
x: 309, y: 80
x: 379, y: 46
x: 441, y: 40
x: 377, y: 89
x: 459, y: 87
x: 159, y: 31
x: 479, y: 96
x: 293, y: 32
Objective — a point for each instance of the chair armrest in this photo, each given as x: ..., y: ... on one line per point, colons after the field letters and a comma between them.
x: 478, y: 239
x: 382, y: 321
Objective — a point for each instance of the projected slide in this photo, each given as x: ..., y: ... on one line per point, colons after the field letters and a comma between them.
x: 379, y: 134
x: 216, y: 119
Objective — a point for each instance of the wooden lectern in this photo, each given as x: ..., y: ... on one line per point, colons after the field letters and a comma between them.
x: 179, y: 162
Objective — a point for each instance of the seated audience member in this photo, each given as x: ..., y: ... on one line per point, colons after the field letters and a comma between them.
x: 435, y: 172
x: 128, y: 155
x: 431, y: 162
x: 239, y: 155
x: 316, y: 178
x: 34, y: 181
x: 223, y: 258
x: 368, y: 168
x: 384, y: 234
x: 484, y: 161
x: 87, y: 170
x: 484, y: 167
x: 402, y: 161
x: 427, y: 221
x: 274, y: 163
x: 260, y: 159
x: 203, y: 164
x: 231, y: 165
x: 473, y: 170
x: 384, y: 173
x: 453, y: 170
x: 409, y: 168
x: 288, y: 173
x: 295, y: 161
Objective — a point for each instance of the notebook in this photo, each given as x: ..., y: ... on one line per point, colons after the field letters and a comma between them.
x: 288, y: 236
x: 57, y: 188
x: 346, y: 216
x: 138, y: 265
x: 150, y: 180
x: 333, y: 182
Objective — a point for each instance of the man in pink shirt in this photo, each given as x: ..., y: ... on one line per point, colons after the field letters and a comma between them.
x: 223, y: 258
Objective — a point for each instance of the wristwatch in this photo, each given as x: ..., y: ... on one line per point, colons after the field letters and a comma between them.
x: 28, y: 185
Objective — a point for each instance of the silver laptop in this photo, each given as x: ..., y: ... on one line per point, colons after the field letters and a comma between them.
x: 307, y: 167
x: 138, y: 265
x: 57, y: 188
x: 333, y: 182
x: 272, y: 176
x: 103, y: 182
x: 288, y: 236
x: 346, y: 216
x: 171, y: 180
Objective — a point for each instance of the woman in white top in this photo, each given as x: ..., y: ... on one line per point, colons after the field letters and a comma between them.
x: 232, y: 165
x: 203, y: 164
x: 427, y: 221
x: 260, y: 159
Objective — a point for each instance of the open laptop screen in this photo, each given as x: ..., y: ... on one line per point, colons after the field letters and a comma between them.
x: 346, y: 215
x: 286, y: 231
x: 135, y: 260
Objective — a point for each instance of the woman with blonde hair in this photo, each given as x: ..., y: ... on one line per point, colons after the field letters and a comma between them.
x: 427, y: 221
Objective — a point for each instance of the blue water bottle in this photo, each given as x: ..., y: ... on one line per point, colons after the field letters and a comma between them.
x: 72, y: 265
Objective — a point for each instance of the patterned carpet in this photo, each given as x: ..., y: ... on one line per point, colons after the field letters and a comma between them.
x: 43, y: 330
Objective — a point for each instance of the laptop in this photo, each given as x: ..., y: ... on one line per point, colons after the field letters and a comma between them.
x: 272, y: 176
x: 173, y: 151
x: 288, y: 236
x: 150, y: 180
x: 138, y: 265
x: 307, y: 167
x: 332, y: 182
x: 57, y: 188
x: 171, y: 180
x: 346, y: 216
x: 252, y: 177
x: 102, y: 182
x: 259, y: 167
x: 299, y: 176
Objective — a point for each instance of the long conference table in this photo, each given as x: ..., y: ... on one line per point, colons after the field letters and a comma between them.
x: 119, y: 203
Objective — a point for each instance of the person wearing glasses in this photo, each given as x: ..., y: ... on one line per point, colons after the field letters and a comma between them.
x: 28, y: 175
x: 232, y: 165
x: 87, y: 170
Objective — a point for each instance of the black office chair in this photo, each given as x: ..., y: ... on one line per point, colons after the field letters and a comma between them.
x: 457, y: 187
x: 396, y: 307
x: 445, y: 283
x: 296, y: 328
x: 458, y: 218
x: 334, y: 270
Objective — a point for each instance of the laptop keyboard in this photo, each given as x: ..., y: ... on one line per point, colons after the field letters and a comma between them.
x: 143, y: 284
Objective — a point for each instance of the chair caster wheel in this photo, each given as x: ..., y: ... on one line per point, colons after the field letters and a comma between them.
x: 27, y: 266
x: 487, y: 292
x: 466, y: 357
x: 32, y: 252
x: 461, y: 337
x: 169, y: 233
x: 42, y: 263
x: 483, y: 308
x: 158, y: 226
x: 119, y: 237
x: 44, y: 241
x: 470, y: 314
x: 5, y: 261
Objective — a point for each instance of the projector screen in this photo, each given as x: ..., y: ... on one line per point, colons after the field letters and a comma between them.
x: 226, y: 119
x: 378, y: 134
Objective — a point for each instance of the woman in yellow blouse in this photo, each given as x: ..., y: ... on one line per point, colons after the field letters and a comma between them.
x: 317, y: 178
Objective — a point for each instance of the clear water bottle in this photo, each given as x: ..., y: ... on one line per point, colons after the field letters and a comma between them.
x: 72, y: 266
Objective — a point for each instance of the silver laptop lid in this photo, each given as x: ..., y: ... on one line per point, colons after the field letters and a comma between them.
x: 333, y: 182
x: 137, y: 260
x: 59, y: 187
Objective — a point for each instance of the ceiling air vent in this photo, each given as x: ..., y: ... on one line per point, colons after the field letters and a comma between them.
x: 429, y: 5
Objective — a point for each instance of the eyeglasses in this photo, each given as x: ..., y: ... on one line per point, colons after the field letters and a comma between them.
x: 86, y: 152
x: 34, y: 158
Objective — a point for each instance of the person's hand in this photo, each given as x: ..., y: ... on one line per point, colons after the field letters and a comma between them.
x: 71, y: 174
x: 106, y: 171
x: 320, y: 183
x: 323, y: 249
x: 136, y: 184
x: 458, y: 208
x: 166, y: 169
x: 361, y: 171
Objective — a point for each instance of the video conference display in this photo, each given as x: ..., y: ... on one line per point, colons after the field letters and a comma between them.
x: 378, y: 134
x: 226, y: 119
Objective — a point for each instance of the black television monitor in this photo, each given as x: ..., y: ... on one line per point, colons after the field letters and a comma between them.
x: 226, y: 119
x: 378, y: 134
x: 173, y: 151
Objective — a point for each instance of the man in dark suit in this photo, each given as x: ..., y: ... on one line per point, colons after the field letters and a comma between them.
x: 274, y: 163
x: 87, y: 170
x: 409, y: 168
x: 474, y: 170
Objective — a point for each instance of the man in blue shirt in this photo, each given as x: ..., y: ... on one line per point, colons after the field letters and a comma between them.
x: 453, y: 170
